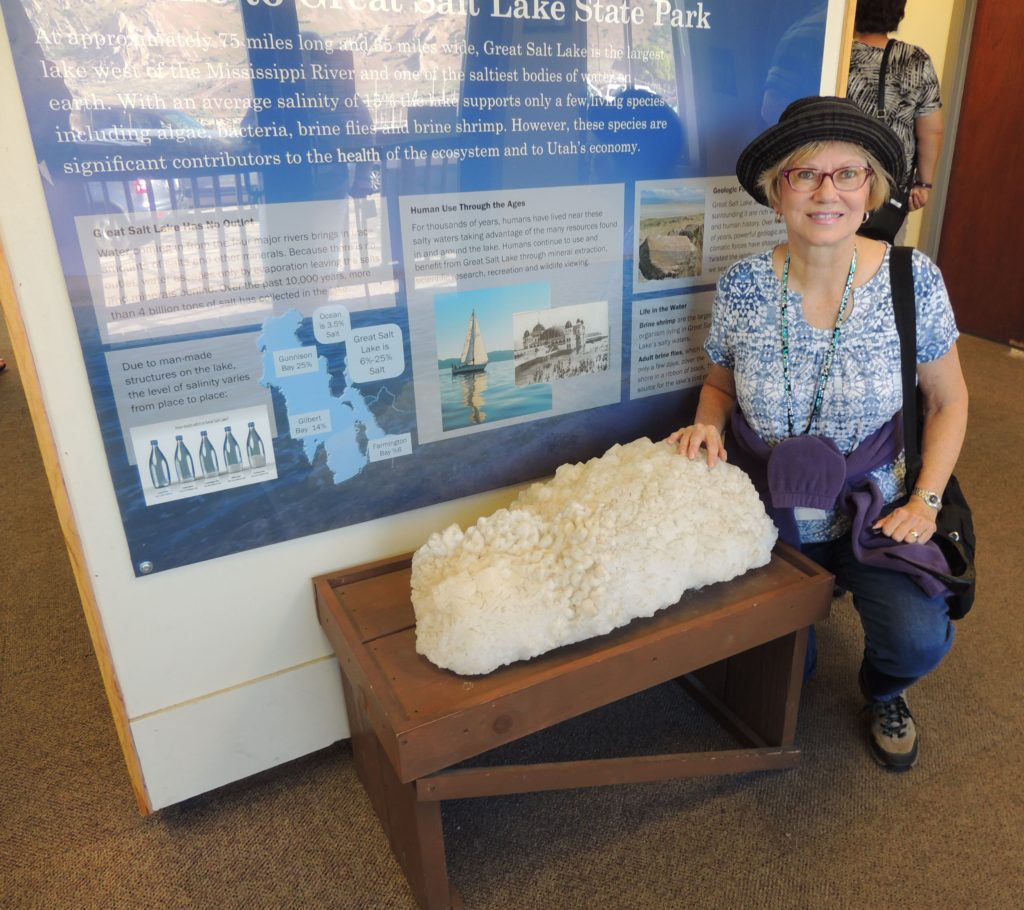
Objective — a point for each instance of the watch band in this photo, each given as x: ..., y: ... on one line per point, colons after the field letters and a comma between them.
x: 923, y: 185
x: 930, y: 497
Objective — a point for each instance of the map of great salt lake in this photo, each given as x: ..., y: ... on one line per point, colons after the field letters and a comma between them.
x: 351, y: 422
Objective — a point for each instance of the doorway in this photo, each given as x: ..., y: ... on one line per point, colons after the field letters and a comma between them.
x: 982, y: 238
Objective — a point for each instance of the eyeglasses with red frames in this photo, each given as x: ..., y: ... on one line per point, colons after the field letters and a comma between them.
x: 808, y: 179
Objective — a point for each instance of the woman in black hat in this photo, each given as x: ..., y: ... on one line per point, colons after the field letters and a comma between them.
x: 806, y: 374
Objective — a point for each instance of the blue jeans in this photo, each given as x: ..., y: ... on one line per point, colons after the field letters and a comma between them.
x: 906, y: 633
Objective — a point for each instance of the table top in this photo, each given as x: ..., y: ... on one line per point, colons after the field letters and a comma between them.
x: 428, y: 718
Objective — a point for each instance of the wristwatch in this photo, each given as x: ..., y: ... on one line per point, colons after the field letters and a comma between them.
x: 930, y: 497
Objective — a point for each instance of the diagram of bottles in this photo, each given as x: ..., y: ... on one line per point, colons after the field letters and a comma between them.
x: 204, y: 454
x: 159, y: 470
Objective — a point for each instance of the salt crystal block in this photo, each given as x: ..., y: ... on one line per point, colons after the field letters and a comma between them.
x: 596, y: 546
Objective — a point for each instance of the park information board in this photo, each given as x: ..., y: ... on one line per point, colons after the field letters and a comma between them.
x: 331, y: 260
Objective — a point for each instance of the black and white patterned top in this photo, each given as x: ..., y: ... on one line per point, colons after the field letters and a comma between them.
x: 911, y: 89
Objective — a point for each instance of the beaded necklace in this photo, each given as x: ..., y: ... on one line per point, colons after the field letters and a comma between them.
x: 826, y: 368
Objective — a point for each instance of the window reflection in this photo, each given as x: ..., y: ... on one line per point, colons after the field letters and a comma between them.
x: 158, y: 114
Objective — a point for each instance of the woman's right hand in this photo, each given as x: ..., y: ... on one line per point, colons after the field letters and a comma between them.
x: 689, y: 440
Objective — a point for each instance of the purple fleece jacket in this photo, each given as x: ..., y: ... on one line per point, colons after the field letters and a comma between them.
x: 811, y: 472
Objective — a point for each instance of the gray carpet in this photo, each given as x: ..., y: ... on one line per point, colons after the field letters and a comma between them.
x: 837, y: 833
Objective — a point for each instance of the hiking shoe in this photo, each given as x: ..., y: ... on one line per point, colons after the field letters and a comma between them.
x: 893, y: 734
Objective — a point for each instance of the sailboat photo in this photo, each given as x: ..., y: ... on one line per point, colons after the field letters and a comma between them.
x: 477, y: 388
x: 474, y: 353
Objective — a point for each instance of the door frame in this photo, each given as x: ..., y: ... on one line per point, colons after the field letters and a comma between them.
x: 954, y: 77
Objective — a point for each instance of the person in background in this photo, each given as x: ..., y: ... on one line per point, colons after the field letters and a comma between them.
x: 913, y: 107
x: 806, y: 376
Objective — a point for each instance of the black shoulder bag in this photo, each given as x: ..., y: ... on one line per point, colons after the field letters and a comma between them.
x: 955, y: 533
x: 884, y: 223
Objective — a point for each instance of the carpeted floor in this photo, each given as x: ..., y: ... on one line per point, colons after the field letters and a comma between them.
x: 837, y: 833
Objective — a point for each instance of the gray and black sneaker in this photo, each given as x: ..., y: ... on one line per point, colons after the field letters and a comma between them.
x: 892, y: 732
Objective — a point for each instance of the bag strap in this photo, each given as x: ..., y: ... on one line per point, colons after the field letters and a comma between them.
x: 898, y: 195
x: 880, y: 105
x: 901, y: 278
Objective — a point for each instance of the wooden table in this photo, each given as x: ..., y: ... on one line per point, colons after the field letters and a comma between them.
x: 737, y: 646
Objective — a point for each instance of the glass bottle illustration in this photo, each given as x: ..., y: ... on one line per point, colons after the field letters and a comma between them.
x: 159, y: 469
x: 207, y: 456
x: 184, y: 466
x: 232, y: 452
x: 254, y: 448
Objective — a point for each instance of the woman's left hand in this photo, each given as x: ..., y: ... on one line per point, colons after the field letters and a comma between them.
x: 912, y: 523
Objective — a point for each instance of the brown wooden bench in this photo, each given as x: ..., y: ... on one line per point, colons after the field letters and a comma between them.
x: 737, y: 646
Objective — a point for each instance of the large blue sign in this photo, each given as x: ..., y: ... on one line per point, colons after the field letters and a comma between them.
x: 331, y: 260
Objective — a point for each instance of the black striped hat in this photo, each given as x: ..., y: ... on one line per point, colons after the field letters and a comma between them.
x: 818, y: 119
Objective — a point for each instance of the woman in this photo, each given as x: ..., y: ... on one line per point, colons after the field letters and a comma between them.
x: 913, y: 107
x: 804, y: 350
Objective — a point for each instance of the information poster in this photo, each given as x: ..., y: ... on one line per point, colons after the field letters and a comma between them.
x: 331, y: 260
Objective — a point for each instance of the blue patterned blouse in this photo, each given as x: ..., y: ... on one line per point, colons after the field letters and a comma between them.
x: 864, y: 390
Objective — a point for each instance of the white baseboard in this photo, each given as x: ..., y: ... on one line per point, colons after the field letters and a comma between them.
x: 191, y: 748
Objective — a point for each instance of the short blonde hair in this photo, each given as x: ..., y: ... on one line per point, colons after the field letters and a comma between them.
x: 879, y: 181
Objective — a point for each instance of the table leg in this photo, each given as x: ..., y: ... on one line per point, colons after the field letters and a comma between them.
x: 413, y: 828
x: 761, y: 688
